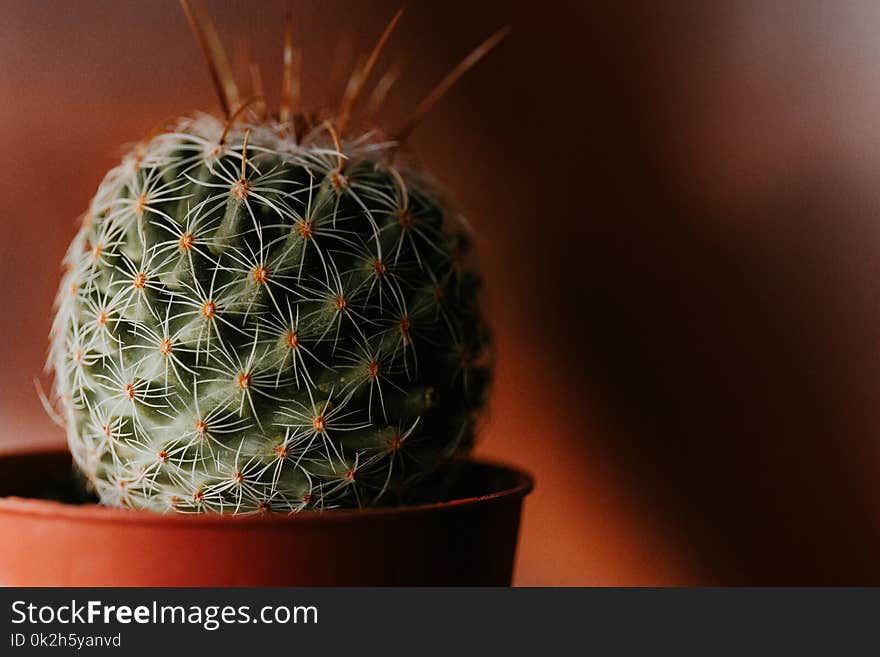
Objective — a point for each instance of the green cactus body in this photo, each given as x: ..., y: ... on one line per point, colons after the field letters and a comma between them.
x: 249, y: 323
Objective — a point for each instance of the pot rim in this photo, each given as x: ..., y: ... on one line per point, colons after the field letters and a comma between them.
x: 522, y: 486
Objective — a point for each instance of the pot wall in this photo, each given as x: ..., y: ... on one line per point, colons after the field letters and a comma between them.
x: 43, y: 543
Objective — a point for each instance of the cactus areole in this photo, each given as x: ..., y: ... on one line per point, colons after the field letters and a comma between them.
x: 266, y: 312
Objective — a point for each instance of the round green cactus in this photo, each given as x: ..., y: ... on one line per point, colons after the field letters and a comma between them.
x: 264, y: 314
x: 254, y: 322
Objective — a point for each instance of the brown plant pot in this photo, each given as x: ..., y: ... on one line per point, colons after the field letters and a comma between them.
x: 470, y: 540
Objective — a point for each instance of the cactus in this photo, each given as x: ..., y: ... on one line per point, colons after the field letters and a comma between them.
x: 261, y: 314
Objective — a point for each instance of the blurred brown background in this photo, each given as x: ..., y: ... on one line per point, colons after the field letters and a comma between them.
x: 678, y: 209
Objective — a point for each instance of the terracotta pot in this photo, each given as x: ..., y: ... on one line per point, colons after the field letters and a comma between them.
x: 470, y: 540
